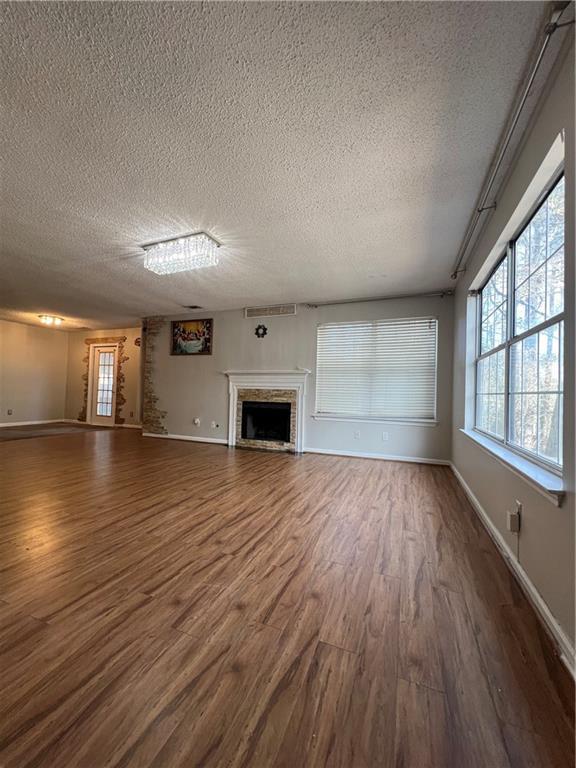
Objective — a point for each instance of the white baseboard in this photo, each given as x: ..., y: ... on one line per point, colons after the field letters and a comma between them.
x: 129, y: 426
x: 218, y: 440
x: 31, y: 423
x: 354, y: 455
x: 560, y: 638
x: 382, y: 456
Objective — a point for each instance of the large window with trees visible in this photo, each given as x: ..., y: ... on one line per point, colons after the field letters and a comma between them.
x: 519, y: 363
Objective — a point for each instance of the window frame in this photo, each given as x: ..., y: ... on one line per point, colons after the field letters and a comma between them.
x: 513, y: 338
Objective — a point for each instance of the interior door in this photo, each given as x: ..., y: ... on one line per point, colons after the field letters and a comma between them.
x: 103, y: 385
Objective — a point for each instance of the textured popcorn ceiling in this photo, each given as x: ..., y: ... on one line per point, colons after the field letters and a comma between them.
x: 335, y: 149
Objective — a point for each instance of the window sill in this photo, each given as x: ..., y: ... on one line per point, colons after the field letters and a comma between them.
x: 376, y: 420
x: 548, y: 484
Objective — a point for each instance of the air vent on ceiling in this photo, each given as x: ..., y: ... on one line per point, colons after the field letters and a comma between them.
x: 271, y: 311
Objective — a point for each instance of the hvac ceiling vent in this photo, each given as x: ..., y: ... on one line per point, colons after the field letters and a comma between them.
x: 273, y: 310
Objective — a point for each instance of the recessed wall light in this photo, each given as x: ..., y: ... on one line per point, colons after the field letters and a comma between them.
x: 50, y: 320
x: 181, y: 254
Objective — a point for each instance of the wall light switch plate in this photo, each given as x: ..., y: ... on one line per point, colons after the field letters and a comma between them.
x: 513, y: 520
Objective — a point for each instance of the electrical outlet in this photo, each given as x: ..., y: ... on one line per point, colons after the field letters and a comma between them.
x: 131, y: 414
x: 385, y: 436
x: 9, y: 411
x: 215, y: 425
x: 356, y: 435
x: 196, y: 421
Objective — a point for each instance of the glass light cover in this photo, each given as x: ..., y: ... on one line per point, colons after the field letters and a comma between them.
x: 50, y: 320
x: 181, y: 255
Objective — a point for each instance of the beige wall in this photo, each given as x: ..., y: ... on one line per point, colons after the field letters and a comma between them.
x: 77, y: 368
x: 195, y: 386
x: 33, y: 364
x: 545, y: 546
x: 41, y: 372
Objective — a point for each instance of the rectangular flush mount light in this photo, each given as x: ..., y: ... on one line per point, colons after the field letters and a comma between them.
x: 181, y: 254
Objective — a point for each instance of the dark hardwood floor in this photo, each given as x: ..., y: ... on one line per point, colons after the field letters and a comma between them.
x: 173, y: 604
x: 27, y: 431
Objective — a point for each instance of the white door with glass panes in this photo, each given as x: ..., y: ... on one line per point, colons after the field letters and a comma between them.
x: 103, y: 385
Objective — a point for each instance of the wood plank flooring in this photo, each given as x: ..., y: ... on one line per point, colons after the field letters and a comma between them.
x: 27, y: 431
x: 168, y: 604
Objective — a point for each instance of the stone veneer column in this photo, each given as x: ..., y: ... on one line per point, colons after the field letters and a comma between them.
x: 152, y: 416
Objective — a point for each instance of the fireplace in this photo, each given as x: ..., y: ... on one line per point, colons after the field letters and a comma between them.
x: 267, y: 421
x: 266, y: 418
x: 266, y: 409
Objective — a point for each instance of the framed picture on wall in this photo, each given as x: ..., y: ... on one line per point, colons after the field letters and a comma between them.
x: 191, y: 337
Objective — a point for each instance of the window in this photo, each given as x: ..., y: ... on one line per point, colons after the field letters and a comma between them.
x: 384, y: 369
x: 519, y: 372
x: 105, y: 383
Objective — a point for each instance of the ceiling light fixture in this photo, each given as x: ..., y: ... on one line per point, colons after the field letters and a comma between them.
x: 50, y: 320
x: 181, y: 254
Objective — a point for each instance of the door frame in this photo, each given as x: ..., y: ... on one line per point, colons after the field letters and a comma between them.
x: 89, y: 400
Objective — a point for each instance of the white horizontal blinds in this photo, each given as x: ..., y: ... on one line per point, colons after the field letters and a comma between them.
x: 378, y: 369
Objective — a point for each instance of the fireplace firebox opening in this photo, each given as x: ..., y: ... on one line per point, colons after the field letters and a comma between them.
x: 266, y: 421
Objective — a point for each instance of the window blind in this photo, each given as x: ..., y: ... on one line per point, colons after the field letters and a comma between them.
x: 377, y: 369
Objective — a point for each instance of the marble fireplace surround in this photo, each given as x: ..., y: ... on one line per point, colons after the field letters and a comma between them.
x: 283, y: 386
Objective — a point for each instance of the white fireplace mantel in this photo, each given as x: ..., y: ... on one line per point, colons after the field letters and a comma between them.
x: 294, y: 379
